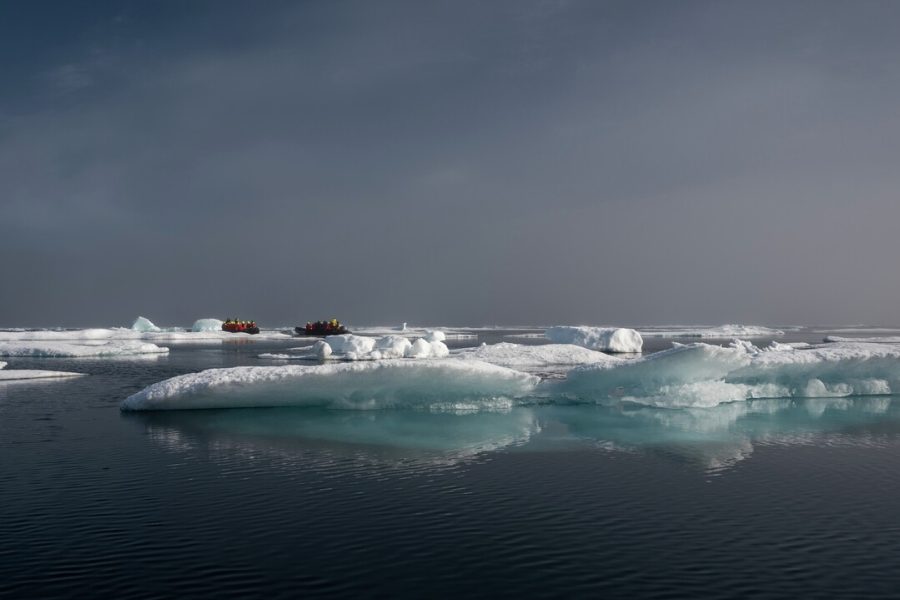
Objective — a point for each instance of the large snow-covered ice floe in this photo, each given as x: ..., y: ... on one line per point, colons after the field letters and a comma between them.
x: 520, y: 356
x: 704, y: 331
x: 70, y: 350
x: 607, y: 339
x: 437, y: 385
x: 697, y: 375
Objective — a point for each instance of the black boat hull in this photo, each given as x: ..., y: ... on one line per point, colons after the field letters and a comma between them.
x: 320, y: 332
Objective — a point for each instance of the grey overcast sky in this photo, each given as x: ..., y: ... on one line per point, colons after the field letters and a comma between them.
x: 460, y: 162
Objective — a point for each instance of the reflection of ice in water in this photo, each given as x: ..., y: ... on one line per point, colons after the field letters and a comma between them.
x: 718, y: 438
x: 403, y: 438
x: 714, y: 439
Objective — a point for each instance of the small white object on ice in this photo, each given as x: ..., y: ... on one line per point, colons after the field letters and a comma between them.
x: 322, y: 350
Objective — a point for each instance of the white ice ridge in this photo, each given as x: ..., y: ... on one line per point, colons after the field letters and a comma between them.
x: 608, y: 339
x: 21, y: 374
x: 356, y: 347
x: 70, y: 350
x: 702, y: 331
x: 698, y: 375
x: 520, y: 356
x: 438, y: 384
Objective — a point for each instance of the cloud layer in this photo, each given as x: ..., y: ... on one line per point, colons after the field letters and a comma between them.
x: 520, y: 162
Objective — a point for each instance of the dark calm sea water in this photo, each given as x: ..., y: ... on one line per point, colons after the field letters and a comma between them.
x: 764, y: 499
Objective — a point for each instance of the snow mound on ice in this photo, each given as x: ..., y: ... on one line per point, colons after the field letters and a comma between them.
x: 700, y: 375
x: 609, y: 339
x: 435, y: 336
x: 2, y: 365
x: 207, y: 325
x: 722, y: 331
x: 350, y: 344
x: 321, y: 350
x: 21, y: 374
x: 353, y: 347
x: 69, y: 350
x: 145, y: 325
x: 392, y: 346
x: 351, y: 385
x: 422, y: 348
x: 522, y: 357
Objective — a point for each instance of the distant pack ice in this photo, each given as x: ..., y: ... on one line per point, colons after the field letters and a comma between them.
x: 206, y: 332
x: 606, y: 339
x: 729, y: 331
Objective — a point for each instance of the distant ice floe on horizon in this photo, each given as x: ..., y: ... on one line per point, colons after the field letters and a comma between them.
x: 451, y: 385
x: 606, y: 339
x: 109, y: 348
x: 864, y: 340
x: 204, y: 334
x: 728, y: 331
